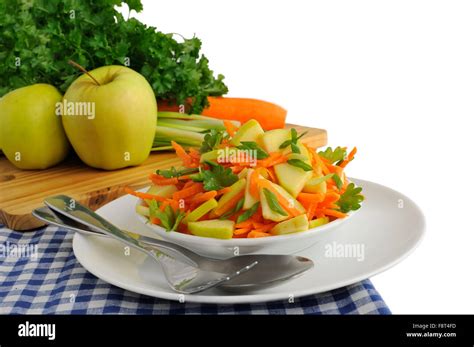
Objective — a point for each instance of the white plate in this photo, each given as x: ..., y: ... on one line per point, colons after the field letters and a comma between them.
x: 388, y: 227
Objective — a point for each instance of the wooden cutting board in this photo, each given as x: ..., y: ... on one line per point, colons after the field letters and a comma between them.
x: 23, y: 190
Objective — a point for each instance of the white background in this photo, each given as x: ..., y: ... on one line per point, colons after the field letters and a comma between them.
x: 395, y: 78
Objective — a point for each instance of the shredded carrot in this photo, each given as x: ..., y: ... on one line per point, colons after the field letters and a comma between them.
x: 255, y: 234
x: 188, y: 184
x: 187, y: 192
x: 273, y: 159
x: 311, y: 210
x: 180, y: 152
x: 349, y: 158
x: 330, y: 198
x: 271, y: 174
x: 241, y: 231
x: 310, y: 197
x: 333, y: 213
x: 202, y: 197
x: 144, y: 196
x: 174, y: 204
x: 161, y: 181
x: 245, y: 224
x: 238, y: 168
x: 194, y: 153
x: 163, y: 205
x: 229, y: 204
x: 229, y: 127
x: 264, y: 227
x: 155, y: 220
x: 223, y: 191
x: 253, y: 186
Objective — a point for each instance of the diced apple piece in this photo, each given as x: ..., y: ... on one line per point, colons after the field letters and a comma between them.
x: 215, y: 228
x: 200, y: 211
x: 271, y: 140
x: 250, y: 131
x: 235, y: 189
x: 315, y: 184
x: 268, y: 213
x: 303, y: 155
x: 318, y: 222
x: 163, y: 191
x: 291, y: 200
x: 293, y: 225
x: 292, y: 178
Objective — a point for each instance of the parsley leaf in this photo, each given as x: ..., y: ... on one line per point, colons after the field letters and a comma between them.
x: 164, y: 217
x: 273, y: 202
x: 217, y: 177
x: 249, y: 213
x: 253, y: 148
x: 336, y: 155
x: 211, y: 140
x: 350, y: 200
x: 299, y: 163
x: 168, y: 218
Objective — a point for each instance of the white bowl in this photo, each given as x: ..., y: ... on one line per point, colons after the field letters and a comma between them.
x: 221, y: 249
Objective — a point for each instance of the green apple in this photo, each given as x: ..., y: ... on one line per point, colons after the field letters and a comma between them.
x: 292, y: 178
x: 318, y: 222
x: 215, y: 228
x: 316, y: 184
x: 200, y: 211
x: 121, y: 130
x: 293, y: 225
x: 271, y: 140
x: 32, y: 135
x: 250, y: 131
x: 268, y: 213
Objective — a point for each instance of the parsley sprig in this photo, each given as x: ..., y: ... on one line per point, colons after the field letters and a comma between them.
x: 350, y: 200
x: 216, y: 177
x: 333, y: 156
x: 211, y: 140
x: 44, y: 36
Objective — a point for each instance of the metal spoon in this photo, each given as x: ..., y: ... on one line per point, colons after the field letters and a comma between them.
x: 271, y: 269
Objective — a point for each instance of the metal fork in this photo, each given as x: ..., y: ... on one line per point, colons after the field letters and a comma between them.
x: 181, y: 272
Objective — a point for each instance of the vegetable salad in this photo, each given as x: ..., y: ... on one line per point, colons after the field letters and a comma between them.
x: 244, y: 182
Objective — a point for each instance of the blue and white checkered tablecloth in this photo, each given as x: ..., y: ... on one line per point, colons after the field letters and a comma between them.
x: 55, y: 283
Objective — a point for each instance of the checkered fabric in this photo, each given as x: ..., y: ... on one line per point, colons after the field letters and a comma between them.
x: 55, y: 283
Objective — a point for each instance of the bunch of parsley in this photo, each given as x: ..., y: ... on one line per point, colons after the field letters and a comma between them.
x: 38, y: 37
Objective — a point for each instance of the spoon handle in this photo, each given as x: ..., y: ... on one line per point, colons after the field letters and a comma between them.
x: 71, y: 208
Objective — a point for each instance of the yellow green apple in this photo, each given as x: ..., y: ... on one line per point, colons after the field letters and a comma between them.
x: 31, y: 132
x: 110, y: 119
